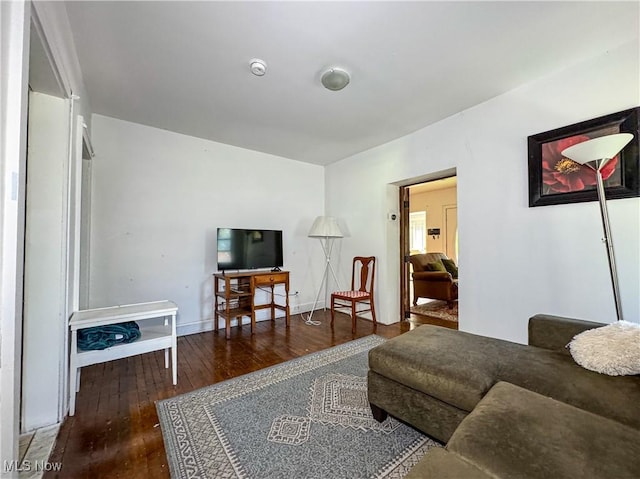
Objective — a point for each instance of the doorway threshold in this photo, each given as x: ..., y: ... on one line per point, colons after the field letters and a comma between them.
x: 35, y: 449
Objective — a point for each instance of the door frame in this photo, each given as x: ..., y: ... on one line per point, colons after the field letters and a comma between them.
x: 14, y: 60
x: 405, y: 300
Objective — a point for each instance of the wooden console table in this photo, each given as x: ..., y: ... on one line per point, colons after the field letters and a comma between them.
x: 235, y: 296
x: 153, y: 337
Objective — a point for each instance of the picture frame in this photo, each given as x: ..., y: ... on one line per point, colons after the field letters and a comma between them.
x: 555, y: 180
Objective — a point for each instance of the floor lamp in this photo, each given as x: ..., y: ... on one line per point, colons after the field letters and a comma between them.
x: 324, y: 228
x: 595, y: 154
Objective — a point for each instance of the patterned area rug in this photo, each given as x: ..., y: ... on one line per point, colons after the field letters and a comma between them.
x: 437, y: 309
x: 308, y: 417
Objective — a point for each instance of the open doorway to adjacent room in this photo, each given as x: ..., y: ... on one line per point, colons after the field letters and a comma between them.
x: 429, y: 228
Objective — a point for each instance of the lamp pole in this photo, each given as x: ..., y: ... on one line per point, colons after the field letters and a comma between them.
x: 606, y: 226
x: 596, y: 153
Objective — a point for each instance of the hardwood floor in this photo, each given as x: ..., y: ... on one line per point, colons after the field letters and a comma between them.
x: 115, y: 432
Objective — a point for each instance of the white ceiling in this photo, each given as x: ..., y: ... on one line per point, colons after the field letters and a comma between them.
x: 184, y: 66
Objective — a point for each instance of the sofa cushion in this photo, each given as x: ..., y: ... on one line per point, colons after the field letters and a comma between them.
x: 441, y: 464
x: 556, y: 375
x: 555, y: 332
x: 451, y: 267
x: 426, y: 413
x: 436, y: 266
x: 514, y: 432
x: 452, y: 366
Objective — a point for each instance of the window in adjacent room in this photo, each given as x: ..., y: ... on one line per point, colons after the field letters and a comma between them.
x: 418, y: 232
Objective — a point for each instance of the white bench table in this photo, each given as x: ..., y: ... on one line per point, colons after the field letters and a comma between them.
x: 154, y: 337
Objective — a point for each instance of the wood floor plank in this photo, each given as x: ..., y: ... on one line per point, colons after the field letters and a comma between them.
x: 115, y: 432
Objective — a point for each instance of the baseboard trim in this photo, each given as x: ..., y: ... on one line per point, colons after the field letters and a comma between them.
x: 205, y: 325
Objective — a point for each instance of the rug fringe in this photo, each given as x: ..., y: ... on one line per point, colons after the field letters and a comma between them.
x: 226, y: 445
x: 400, y: 466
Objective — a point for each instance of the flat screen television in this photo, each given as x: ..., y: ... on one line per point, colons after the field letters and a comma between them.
x: 249, y: 249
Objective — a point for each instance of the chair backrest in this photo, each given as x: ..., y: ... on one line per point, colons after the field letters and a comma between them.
x: 364, y: 269
x: 420, y: 261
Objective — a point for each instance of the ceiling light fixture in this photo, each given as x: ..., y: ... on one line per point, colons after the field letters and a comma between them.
x: 335, y: 79
x: 258, y: 67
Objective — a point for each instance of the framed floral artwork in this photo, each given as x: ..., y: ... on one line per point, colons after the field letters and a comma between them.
x: 554, y: 179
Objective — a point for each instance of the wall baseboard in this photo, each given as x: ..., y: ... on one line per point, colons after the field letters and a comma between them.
x: 202, y: 326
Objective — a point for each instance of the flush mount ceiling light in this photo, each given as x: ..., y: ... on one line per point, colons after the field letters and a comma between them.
x: 335, y: 79
x: 258, y: 67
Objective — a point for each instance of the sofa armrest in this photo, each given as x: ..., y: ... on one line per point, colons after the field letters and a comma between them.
x: 555, y: 332
x: 432, y: 276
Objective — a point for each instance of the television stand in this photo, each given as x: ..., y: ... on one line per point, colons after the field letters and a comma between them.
x: 235, y: 296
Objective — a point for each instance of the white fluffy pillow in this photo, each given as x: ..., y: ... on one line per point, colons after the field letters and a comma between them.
x: 613, y: 349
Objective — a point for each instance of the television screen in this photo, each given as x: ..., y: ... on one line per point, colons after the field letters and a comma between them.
x: 249, y: 249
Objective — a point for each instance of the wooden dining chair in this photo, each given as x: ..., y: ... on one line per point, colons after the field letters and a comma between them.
x: 359, y: 299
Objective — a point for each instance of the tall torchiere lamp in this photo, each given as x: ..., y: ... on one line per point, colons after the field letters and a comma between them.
x: 595, y: 154
x: 324, y: 228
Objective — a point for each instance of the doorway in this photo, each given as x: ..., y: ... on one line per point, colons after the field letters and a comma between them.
x: 428, y: 224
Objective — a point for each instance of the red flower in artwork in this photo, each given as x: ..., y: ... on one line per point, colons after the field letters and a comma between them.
x: 562, y: 175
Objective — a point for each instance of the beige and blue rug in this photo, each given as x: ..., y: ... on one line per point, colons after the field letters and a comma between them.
x: 306, y: 418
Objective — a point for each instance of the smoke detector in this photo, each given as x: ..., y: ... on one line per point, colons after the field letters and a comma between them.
x: 258, y: 67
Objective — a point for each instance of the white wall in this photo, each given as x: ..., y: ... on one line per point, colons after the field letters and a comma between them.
x: 158, y: 198
x: 518, y: 261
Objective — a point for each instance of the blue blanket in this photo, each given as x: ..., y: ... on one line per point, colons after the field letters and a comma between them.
x: 102, y: 337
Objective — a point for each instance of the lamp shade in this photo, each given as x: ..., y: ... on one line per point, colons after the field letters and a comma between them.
x: 325, y: 227
x: 602, y: 148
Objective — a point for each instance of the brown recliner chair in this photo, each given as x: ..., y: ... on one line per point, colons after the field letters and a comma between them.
x: 432, y: 284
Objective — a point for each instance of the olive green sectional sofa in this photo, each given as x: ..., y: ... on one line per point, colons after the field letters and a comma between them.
x: 505, y: 409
